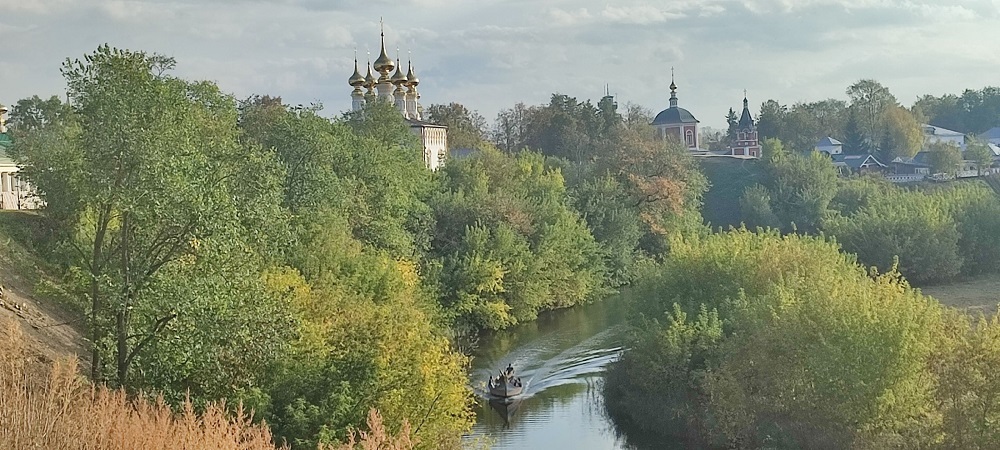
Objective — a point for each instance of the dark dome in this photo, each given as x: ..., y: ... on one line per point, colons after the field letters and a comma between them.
x: 674, y: 115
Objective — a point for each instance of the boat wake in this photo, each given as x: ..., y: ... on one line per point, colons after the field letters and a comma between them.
x: 545, y: 365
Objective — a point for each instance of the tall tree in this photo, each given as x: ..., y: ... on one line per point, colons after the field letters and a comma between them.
x: 732, y: 120
x: 771, y: 119
x: 156, y: 177
x: 870, y: 100
x: 903, y: 131
x: 855, y: 141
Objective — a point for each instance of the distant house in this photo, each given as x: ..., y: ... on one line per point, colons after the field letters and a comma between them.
x: 933, y: 134
x: 857, y: 164
x: 830, y: 146
x: 919, y: 164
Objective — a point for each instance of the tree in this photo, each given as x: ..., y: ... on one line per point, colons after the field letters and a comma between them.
x: 732, y: 120
x: 904, y: 133
x: 771, y: 120
x: 870, y: 100
x: 510, y: 130
x: 155, y: 182
x: 855, y: 142
x: 979, y: 153
x: 34, y: 113
x: 944, y: 158
x: 466, y: 129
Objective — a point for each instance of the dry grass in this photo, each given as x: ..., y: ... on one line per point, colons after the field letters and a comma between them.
x: 975, y: 295
x: 51, y: 407
x: 377, y: 438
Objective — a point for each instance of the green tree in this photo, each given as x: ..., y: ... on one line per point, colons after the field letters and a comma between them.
x: 870, y: 100
x: 903, y: 132
x: 770, y: 122
x: 944, y: 158
x: 981, y: 154
x: 155, y: 178
x: 466, y: 129
x: 732, y: 121
x: 34, y: 113
x: 855, y: 142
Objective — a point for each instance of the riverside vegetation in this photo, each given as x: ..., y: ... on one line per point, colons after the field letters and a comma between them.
x: 312, y: 271
x: 309, y: 269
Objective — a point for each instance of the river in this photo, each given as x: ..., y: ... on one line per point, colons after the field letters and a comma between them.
x: 560, y: 358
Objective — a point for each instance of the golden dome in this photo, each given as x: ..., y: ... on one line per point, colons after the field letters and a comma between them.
x: 384, y: 63
x: 357, y: 79
x: 370, y: 79
x: 398, y: 78
x: 411, y: 78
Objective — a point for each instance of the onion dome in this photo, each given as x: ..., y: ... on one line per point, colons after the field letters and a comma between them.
x: 384, y: 63
x: 399, y: 78
x: 357, y: 79
x: 411, y: 78
x: 369, y: 79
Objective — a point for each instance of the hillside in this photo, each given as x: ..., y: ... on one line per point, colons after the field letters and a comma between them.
x: 728, y: 177
x: 51, y: 328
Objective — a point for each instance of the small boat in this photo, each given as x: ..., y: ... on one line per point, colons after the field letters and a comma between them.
x: 504, y: 389
x: 505, y: 385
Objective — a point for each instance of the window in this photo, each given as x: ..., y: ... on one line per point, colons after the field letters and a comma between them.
x: 689, y: 138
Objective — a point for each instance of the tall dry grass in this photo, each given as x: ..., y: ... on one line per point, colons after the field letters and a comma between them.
x: 45, y: 406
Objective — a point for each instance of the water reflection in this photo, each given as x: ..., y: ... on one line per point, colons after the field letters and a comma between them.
x: 560, y: 359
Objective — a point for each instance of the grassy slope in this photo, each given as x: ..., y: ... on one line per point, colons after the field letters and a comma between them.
x: 32, y: 297
x: 728, y: 178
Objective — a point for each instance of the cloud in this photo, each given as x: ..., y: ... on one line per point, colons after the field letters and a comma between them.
x: 639, y: 15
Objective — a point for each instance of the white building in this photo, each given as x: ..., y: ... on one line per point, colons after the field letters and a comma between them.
x: 830, y: 146
x: 14, y: 192
x: 400, y: 90
x: 933, y: 134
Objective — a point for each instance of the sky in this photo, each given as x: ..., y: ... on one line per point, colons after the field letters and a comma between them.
x: 490, y: 54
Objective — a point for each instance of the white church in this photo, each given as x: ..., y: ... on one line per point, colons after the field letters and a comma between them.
x: 400, y: 89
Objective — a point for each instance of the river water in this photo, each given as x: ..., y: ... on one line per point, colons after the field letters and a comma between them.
x: 560, y: 358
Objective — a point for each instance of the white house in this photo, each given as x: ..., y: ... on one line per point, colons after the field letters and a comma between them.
x: 830, y: 146
x: 933, y: 134
x: 14, y: 192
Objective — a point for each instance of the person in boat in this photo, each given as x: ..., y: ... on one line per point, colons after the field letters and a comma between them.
x: 510, y: 370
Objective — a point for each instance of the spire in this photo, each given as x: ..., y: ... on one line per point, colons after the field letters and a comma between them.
x: 746, y: 120
x: 411, y: 77
x: 673, y: 90
x: 369, y: 79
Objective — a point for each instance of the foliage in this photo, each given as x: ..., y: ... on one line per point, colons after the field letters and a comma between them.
x: 981, y: 154
x: 366, y: 340
x: 155, y: 180
x: 799, y: 188
x: 870, y: 100
x: 508, y: 241
x: 789, y: 344
x: 907, y: 229
x: 973, y: 112
x: 466, y: 129
x: 904, y: 133
x: 34, y: 113
x: 944, y: 158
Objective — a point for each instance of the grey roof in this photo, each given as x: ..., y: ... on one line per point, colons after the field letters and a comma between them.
x: 938, y: 131
x: 423, y: 124
x: 828, y: 142
x: 992, y: 133
x: 674, y: 115
x: 856, y: 161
